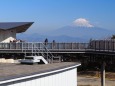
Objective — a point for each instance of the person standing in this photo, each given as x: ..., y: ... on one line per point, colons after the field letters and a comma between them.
x: 46, y: 42
x: 54, y: 43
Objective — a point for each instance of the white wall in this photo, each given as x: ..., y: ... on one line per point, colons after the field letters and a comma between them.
x: 7, y: 35
x: 66, y: 78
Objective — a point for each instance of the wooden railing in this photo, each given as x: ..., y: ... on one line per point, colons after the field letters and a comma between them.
x: 30, y: 45
x: 102, y: 45
x: 97, y: 45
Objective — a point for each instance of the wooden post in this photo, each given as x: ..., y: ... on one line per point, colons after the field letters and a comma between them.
x: 103, y: 74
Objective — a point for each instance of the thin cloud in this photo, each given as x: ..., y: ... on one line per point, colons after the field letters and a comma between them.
x: 82, y: 22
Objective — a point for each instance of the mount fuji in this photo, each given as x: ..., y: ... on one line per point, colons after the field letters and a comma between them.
x: 80, y: 31
x: 70, y: 34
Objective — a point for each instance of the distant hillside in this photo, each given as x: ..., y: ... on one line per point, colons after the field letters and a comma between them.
x: 82, y: 32
x: 69, y: 34
x: 40, y: 38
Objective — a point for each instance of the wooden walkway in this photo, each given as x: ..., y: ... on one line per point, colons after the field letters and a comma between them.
x: 97, y: 46
x: 32, y: 46
x: 105, y: 47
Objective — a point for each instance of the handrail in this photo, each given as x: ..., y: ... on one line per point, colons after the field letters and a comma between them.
x: 36, y: 49
x: 49, y: 54
x: 100, y: 45
x: 56, y: 46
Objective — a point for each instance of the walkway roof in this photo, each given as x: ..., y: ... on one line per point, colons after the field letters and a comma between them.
x: 18, y: 26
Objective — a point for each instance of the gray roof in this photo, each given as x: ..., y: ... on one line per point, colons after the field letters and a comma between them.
x: 12, y: 71
x: 19, y: 26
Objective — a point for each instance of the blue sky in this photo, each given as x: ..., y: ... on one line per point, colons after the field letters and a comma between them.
x: 53, y: 14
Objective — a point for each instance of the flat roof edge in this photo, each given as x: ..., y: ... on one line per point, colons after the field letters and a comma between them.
x: 11, y: 25
x: 46, y: 73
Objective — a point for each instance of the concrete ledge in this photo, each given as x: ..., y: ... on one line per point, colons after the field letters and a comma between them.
x: 3, y: 60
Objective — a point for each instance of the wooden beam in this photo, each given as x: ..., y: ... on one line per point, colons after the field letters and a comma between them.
x: 103, y: 74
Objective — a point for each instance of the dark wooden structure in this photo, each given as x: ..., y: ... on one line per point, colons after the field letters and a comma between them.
x: 100, y: 50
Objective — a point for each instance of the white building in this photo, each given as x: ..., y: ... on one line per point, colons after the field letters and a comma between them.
x: 56, y: 74
x: 8, y: 30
